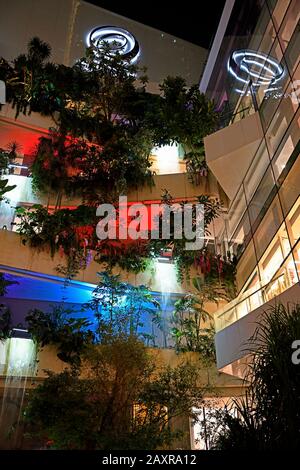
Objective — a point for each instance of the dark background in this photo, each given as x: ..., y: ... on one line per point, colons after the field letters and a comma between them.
x: 193, y: 21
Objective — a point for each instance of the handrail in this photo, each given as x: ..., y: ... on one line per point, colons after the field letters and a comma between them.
x: 236, y: 302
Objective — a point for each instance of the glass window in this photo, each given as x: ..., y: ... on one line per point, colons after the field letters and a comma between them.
x: 246, y: 265
x: 256, y: 170
x: 282, y: 156
x: 268, y: 37
x: 296, y: 254
x: 271, y: 261
x: 279, y: 125
x: 241, y: 236
x: 293, y: 222
x: 289, y: 190
x: 284, y: 278
x: 268, y: 227
x: 259, y: 32
x: 236, y: 211
x: 278, y: 10
x: 261, y: 198
x: 273, y: 97
x: 292, y: 54
x: 289, y: 24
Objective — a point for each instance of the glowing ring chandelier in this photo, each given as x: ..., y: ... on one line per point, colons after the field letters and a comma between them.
x: 261, y: 69
x: 119, y: 40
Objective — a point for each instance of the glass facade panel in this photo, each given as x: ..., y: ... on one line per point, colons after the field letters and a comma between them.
x: 268, y: 227
x: 278, y: 9
x: 281, y: 120
x: 236, y: 211
x: 292, y: 53
x: 259, y: 32
x: 282, y: 156
x: 265, y: 235
x: 296, y: 254
x: 271, y: 261
x: 293, y: 223
x: 246, y: 265
x: 259, y: 202
x: 241, y: 236
x: 289, y: 190
x: 274, y: 105
x: 284, y: 278
x: 256, y: 170
x: 289, y: 24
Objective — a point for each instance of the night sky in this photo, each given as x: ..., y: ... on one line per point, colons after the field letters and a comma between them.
x: 188, y: 20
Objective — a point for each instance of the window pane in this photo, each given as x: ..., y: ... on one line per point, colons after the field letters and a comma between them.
x: 292, y: 54
x: 293, y: 222
x: 281, y: 120
x: 284, y: 278
x: 246, y: 265
x: 289, y: 191
x: 268, y: 227
x: 261, y: 198
x: 241, y: 237
x: 289, y: 24
x: 236, y: 211
x: 278, y: 10
x: 256, y: 170
x: 296, y: 254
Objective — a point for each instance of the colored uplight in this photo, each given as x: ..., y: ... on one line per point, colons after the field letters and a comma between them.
x: 257, y: 67
x: 119, y: 40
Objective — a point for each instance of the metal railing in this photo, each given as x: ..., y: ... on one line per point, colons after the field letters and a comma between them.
x: 250, y: 300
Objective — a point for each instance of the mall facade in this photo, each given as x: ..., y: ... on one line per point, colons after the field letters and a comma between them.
x: 252, y: 72
x: 255, y: 159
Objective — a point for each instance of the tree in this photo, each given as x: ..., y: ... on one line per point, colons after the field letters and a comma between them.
x: 116, y: 399
x: 192, y: 324
x: 268, y: 417
x: 105, y: 121
x: 121, y: 308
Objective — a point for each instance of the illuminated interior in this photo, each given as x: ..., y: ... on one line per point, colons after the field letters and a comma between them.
x: 167, y: 159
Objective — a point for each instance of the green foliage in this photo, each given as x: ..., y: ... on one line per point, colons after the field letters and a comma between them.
x: 70, y: 335
x: 268, y: 417
x: 7, y: 156
x: 4, y: 283
x: 192, y: 325
x: 117, y: 400
x: 4, y: 188
x: 101, y: 144
x: 184, y: 115
x: 69, y: 232
x: 5, y: 323
x: 119, y: 306
x: 106, y: 122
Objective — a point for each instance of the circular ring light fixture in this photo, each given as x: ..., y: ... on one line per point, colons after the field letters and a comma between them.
x: 247, y: 65
x: 119, y: 40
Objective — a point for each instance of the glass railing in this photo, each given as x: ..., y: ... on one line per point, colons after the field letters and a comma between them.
x: 250, y: 300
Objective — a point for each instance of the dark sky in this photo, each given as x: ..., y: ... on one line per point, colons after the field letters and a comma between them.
x: 193, y: 21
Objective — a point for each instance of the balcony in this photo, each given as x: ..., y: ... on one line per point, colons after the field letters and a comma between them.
x: 230, y: 151
x: 236, y: 322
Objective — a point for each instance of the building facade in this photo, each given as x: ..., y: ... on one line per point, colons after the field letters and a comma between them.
x: 68, y: 27
x: 259, y: 147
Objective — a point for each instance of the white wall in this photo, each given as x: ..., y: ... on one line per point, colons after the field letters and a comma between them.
x: 66, y: 23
